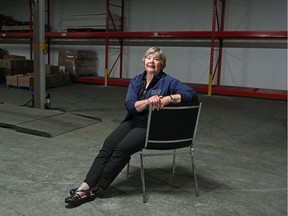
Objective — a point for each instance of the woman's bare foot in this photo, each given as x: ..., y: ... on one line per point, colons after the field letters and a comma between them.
x: 85, y: 186
x: 81, y: 190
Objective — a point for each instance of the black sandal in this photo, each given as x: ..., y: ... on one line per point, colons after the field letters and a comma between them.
x: 74, y: 190
x: 76, y: 199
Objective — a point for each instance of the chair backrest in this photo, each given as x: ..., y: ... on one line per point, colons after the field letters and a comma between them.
x: 172, y: 127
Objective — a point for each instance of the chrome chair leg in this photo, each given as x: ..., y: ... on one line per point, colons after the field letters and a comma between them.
x: 174, y: 160
x: 194, y: 172
x: 143, y: 178
x: 128, y: 169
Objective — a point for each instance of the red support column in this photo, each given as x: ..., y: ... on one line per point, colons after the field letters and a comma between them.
x: 212, y: 48
x: 221, y: 43
x: 31, y: 29
x: 121, y: 39
x: 109, y: 35
x: 48, y: 23
x: 106, y: 43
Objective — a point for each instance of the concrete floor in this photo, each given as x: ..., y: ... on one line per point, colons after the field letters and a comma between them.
x: 241, y: 159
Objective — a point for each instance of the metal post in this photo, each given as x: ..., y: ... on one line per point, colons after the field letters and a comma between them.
x: 39, y: 53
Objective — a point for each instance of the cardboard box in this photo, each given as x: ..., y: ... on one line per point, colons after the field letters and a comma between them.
x: 47, y: 69
x: 55, y: 69
x: 71, y: 59
x: 14, y: 57
x: 29, y: 66
x: 28, y: 81
x: 51, y: 80
x: 12, y: 80
x: 25, y: 81
x: 2, y: 75
x: 86, y: 62
x: 16, y: 66
x: 3, y: 52
x: 86, y: 54
x: 11, y: 64
x: 76, y: 54
x: 86, y: 70
x: 65, y: 77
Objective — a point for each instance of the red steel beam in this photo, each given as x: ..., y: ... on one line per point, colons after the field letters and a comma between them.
x: 252, y: 35
x: 101, y: 81
x: 248, y: 92
x: 15, y: 35
x: 200, y: 88
x: 157, y: 35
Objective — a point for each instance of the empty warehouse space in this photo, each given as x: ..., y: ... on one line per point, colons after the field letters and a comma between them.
x: 63, y: 92
x: 240, y: 154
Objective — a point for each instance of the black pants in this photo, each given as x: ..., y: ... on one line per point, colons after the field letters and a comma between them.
x: 117, y: 149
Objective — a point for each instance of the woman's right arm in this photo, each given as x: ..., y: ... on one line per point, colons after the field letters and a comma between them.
x: 141, y: 105
x: 131, y: 102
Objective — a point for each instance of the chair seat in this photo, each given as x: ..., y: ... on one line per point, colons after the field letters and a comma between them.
x: 168, y: 146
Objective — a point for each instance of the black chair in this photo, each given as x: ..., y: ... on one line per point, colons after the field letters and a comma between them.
x: 171, y: 128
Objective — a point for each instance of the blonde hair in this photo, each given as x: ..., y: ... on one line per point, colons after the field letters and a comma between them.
x: 158, y: 52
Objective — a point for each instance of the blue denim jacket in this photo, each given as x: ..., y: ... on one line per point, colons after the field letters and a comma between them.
x: 161, y: 85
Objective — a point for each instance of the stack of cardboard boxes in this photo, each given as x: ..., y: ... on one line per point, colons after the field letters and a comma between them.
x: 79, y: 62
x: 55, y: 76
x: 17, y: 71
x: 3, y: 52
x: 12, y: 66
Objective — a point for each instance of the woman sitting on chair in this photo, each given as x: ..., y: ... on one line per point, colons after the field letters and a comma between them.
x: 152, y: 87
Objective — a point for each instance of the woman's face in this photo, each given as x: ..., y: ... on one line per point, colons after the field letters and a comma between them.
x: 152, y: 64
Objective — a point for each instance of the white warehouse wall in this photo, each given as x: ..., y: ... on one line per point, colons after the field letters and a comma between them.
x: 245, y: 66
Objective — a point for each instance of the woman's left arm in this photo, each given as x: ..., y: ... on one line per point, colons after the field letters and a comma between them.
x: 180, y: 93
x: 187, y: 94
x: 173, y: 98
